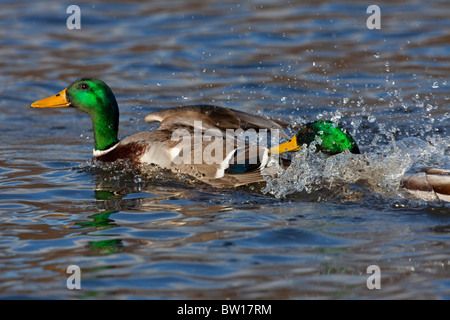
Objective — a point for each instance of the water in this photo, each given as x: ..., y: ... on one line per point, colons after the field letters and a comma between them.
x: 311, y: 233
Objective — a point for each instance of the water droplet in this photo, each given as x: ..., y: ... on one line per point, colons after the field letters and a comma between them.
x: 371, y: 118
x: 435, y: 85
x: 377, y: 55
x: 319, y: 141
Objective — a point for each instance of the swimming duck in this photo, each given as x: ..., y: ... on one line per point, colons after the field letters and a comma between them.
x: 170, y: 146
x: 231, y: 163
x: 430, y: 184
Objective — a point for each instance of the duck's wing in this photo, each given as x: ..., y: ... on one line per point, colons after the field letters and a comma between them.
x: 230, y: 164
x: 212, y: 117
x: 219, y: 164
x: 431, y: 184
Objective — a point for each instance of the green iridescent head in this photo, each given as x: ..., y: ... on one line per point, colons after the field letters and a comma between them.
x: 96, y: 99
x: 329, y: 137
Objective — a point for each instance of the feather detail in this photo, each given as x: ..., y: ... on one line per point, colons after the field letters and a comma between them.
x: 432, y: 184
x: 213, y: 117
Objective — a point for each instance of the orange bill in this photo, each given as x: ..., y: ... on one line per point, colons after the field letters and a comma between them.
x: 288, y: 146
x: 59, y: 100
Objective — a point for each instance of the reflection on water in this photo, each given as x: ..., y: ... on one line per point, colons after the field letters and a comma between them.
x: 311, y: 233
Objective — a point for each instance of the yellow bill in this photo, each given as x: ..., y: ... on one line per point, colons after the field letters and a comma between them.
x: 59, y: 100
x: 288, y: 146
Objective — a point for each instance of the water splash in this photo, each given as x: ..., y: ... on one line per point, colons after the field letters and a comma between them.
x: 379, y: 172
x: 315, y: 172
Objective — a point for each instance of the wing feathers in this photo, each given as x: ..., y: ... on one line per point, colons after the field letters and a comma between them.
x: 212, y: 117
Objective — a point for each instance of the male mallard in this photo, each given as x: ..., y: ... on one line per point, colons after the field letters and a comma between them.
x: 431, y: 184
x: 236, y: 166
x: 159, y: 147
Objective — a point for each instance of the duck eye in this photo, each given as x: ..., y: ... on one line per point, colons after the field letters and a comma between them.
x: 83, y: 86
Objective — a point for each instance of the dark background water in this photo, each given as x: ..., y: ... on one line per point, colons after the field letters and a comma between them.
x: 163, y: 237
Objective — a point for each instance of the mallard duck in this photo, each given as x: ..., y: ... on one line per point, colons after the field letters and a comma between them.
x: 160, y: 147
x: 231, y: 163
x: 430, y: 184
